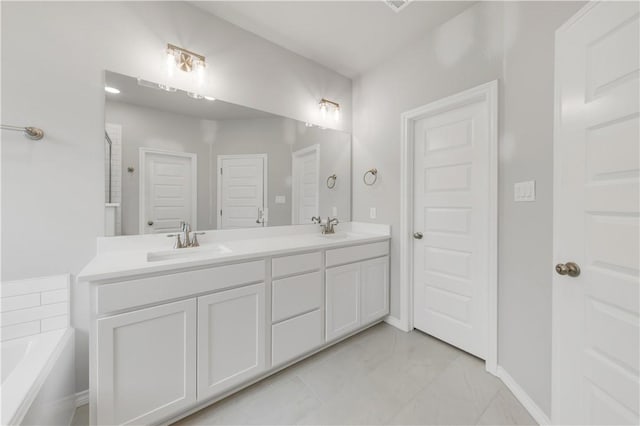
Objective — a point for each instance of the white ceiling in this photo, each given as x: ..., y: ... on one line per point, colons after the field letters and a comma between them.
x: 349, y: 37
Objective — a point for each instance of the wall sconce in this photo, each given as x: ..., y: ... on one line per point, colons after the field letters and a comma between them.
x: 325, y: 105
x: 186, y: 61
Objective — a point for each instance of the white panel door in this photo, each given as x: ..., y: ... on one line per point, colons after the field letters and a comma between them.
x: 596, y: 209
x: 375, y: 289
x: 242, y: 191
x: 306, y: 184
x: 231, y: 339
x: 168, y: 191
x: 343, y: 300
x: 451, y: 216
x: 146, y: 364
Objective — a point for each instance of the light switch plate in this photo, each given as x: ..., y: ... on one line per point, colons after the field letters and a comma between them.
x: 281, y: 199
x: 373, y: 213
x: 524, y: 191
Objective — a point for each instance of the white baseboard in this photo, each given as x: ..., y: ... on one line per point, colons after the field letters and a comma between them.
x: 526, y: 401
x: 396, y: 322
x: 82, y: 398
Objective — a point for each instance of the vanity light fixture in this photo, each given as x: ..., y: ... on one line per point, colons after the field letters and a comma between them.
x: 194, y: 95
x: 110, y: 89
x: 185, y: 60
x: 325, y: 105
x: 209, y: 98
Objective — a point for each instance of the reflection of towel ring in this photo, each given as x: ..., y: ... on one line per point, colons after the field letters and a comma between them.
x: 331, y: 181
x: 374, y: 173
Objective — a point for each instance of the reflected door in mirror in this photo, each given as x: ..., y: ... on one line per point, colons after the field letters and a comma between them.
x: 306, y: 185
x: 242, y: 187
x: 168, y: 190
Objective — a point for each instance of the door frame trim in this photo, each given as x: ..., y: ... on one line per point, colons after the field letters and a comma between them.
x: 142, y: 187
x: 486, y: 92
x: 295, y: 154
x: 265, y: 184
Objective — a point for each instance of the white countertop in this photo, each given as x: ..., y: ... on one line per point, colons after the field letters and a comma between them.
x: 124, y: 257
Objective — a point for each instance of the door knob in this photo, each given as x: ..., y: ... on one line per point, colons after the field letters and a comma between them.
x: 417, y: 235
x: 150, y: 223
x: 569, y: 268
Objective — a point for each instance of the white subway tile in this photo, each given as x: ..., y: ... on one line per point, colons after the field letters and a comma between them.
x: 55, y: 323
x: 56, y: 296
x: 19, y: 330
x: 33, y: 314
x: 34, y: 285
x: 19, y: 302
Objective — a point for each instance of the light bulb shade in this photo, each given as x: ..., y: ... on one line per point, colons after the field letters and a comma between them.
x: 200, y: 67
x: 323, y: 110
x: 171, y: 63
x: 336, y: 114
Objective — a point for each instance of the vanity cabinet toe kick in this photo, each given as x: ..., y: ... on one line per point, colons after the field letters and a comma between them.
x: 165, y: 346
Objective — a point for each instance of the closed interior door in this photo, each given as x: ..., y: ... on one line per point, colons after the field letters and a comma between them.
x: 306, y: 188
x: 242, y: 188
x: 596, y: 226
x: 168, y: 191
x: 451, y: 224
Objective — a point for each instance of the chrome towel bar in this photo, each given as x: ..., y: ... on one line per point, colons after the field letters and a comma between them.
x: 31, y: 132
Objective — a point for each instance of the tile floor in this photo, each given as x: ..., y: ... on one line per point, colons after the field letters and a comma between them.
x: 380, y: 376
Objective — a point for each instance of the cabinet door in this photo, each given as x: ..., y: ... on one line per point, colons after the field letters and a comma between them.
x: 146, y: 364
x: 343, y: 300
x: 375, y: 289
x: 231, y: 339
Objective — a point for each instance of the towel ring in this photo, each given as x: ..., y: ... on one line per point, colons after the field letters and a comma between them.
x: 373, y: 173
x: 331, y: 181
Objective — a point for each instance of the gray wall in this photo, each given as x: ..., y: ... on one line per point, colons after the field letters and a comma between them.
x: 151, y: 128
x: 52, y: 190
x: 514, y: 43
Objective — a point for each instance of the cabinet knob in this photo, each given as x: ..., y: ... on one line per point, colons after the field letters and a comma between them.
x: 417, y: 235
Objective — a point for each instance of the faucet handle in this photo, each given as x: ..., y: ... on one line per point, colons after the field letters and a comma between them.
x: 194, y: 240
x: 316, y: 219
x: 178, y: 244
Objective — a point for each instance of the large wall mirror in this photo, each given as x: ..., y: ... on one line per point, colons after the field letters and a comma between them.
x: 172, y: 157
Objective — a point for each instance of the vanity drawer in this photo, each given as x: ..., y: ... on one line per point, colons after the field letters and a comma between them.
x: 295, y: 295
x: 356, y: 253
x: 295, y: 337
x: 147, y: 291
x: 290, y: 265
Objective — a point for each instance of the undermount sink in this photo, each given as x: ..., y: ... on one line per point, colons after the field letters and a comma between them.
x: 187, y: 253
x: 338, y: 235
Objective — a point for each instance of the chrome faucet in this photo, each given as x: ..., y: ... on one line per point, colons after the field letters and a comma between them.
x: 189, y: 241
x: 328, y: 227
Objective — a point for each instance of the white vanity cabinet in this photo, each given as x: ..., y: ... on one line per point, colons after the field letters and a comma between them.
x: 147, y: 367
x: 296, y: 310
x: 231, y: 339
x: 165, y: 343
x: 358, y: 292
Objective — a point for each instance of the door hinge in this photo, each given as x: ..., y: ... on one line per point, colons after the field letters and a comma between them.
x: 220, y: 212
x: 220, y: 170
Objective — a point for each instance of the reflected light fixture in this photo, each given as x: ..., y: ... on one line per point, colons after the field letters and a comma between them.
x: 194, y: 95
x: 325, y: 105
x: 185, y: 61
x: 110, y: 89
